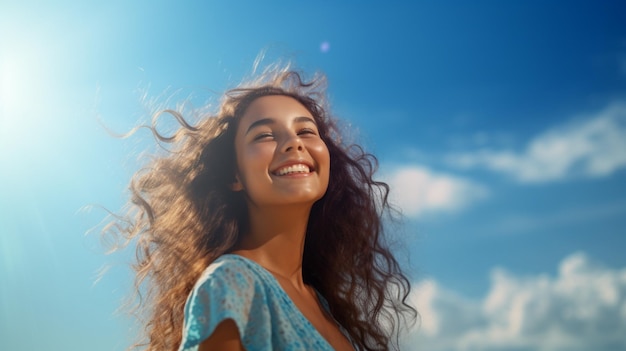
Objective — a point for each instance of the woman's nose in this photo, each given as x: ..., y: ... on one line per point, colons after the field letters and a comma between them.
x: 292, y: 143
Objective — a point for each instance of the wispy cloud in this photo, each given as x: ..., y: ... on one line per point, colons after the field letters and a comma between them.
x: 592, y: 147
x: 417, y: 190
x: 582, y: 308
x: 557, y: 218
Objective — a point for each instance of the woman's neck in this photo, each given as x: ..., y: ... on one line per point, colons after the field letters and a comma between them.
x: 275, y: 240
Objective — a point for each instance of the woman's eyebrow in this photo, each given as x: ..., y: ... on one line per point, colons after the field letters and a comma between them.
x: 261, y: 122
x: 267, y: 121
x: 303, y: 119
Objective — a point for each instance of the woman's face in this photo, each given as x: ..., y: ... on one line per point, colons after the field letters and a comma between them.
x: 281, y: 158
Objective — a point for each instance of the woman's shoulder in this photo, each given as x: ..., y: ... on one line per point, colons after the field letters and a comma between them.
x: 232, y: 271
x: 231, y: 287
x: 228, y: 264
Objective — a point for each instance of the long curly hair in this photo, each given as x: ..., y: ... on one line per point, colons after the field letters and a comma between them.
x: 182, y: 215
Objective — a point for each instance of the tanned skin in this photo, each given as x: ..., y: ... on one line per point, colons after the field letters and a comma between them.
x: 279, y: 206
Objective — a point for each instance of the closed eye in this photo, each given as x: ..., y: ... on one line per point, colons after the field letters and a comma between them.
x: 263, y: 136
x: 305, y: 131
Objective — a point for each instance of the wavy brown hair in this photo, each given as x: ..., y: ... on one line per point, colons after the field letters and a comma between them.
x: 183, y: 215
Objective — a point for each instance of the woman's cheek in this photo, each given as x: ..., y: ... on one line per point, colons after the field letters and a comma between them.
x: 256, y: 151
x: 321, y: 150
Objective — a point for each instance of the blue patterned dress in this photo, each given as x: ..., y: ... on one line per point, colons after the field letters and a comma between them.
x: 238, y: 288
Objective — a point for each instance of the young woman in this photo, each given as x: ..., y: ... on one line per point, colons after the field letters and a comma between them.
x: 261, y: 230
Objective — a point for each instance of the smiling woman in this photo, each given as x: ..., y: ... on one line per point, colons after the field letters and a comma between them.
x: 260, y: 230
x: 280, y: 159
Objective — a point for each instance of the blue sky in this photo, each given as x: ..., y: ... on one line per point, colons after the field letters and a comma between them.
x: 501, y: 126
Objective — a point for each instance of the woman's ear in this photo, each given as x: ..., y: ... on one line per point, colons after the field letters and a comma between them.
x: 236, y: 185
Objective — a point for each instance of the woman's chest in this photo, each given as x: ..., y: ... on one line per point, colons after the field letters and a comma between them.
x: 323, y: 323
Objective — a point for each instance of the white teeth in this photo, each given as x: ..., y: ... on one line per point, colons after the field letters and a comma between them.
x: 299, y: 168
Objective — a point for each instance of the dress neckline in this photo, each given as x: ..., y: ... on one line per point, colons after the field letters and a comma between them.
x: 283, y: 294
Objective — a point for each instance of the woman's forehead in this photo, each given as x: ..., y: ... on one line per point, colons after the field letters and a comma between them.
x: 275, y: 108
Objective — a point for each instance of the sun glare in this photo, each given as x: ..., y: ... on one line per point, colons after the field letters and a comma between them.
x: 14, y: 81
x: 28, y: 94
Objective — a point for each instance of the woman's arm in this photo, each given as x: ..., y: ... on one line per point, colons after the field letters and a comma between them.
x: 225, y: 337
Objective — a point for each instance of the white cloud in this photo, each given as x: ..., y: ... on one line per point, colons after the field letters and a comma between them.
x: 593, y: 147
x: 582, y: 308
x: 417, y: 190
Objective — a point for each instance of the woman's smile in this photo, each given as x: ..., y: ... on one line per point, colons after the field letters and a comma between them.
x: 294, y: 168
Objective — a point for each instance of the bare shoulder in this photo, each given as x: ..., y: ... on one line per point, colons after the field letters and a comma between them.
x: 225, y: 337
